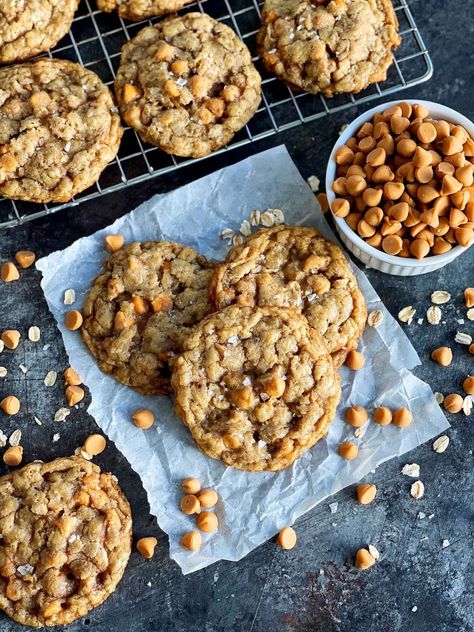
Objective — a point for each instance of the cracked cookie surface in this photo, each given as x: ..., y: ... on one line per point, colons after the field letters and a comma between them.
x: 59, y: 129
x: 139, y: 311
x: 187, y: 84
x: 30, y: 28
x: 255, y: 386
x: 141, y: 9
x: 295, y: 266
x: 66, y: 539
x: 331, y: 46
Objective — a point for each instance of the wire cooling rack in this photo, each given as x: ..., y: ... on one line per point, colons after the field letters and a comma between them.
x: 95, y: 41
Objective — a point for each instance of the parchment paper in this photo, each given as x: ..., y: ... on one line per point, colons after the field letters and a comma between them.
x: 252, y: 506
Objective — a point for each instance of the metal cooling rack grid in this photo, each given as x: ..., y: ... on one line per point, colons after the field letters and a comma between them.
x: 95, y: 41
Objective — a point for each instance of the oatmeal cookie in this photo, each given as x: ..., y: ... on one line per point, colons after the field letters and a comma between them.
x: 328, y: 46
x: 141, y: 9
x: 187, y: 84
x: 30, y: 28
x: 66, y: 539
x: 142, y: 307
x: 255, y: 386
x: 294, y: 266
x: 58, y: 130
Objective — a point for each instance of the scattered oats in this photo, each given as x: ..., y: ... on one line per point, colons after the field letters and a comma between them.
x: 440, y: 297
x: 445, y: 544
x: 61, y: 414
x: 3, y: 439
x: 278, y: 215
x: 440, y: 444
x: 46, y: 347
x: 262, y: 444
x: 430, y: 517
x: 333, y: 507
x: 2, y: 346
x: 34, y: 333
x: 421, y: 515
x: 462, y: 338
x: 417, y: 490
x: 50, y: 379
x: 227, y: 233
x: 83, y: 453
x: 25, y: 569
x: 375, y: 319
x: 460, y: 321
x: 267, y: 219
x: 3, y: 371
x: 237, y: 240
x: 470, y: 313
x: 38, y: 421
x: 23, y: 368
x: 414, y: 609
x: 373, y: 552
x: 247, y: 381
x: 148, y: 584
x: 255, y: 217
x: 343, y: 128
x: 233, y: 340
x: 433, y: 315
x: 420, y: 321
x: 360, y: 432
x: 439, y: 397
x: 73, y: 538
x: 406, y: 314
x: 411, y: 469
x: 314, y: 183
x: 15, y: 437
x: 69, y: 297
x: 424, y: 539
x: 467, y: 405
x: 245, y: 228
x: 56, y: 437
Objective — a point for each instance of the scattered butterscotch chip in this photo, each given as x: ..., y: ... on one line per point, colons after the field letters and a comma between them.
x: 146, y: 546
x: 95, y: 444
x: 190, y: 505
x: 13, y: 455
x: 366, y: 493
x: 191, y: 540
x: 191, y: 485
x: 9, y: 272
x: 355, y: 360
x: 471, y: 348
x: 469, y: 296
x: 143, y: 418
x: 453, y: 403
x: 323, y: 202
x: 71, y: 378
x: 468, y: 385
x: 356, y: 416
x: 442, y: 355
x: 287, y: 538
x: 207, y: 521
x: 11, y: 338
x: 208, y: 498
x: 10, y: 405
x: 348, y: 450
x: 74, y: 394
x: 383, y: 416
x: 25, y: 258
x: 73, y: 319
x: 113, y: 243
x: 402, y: 417
x: 364, y: 560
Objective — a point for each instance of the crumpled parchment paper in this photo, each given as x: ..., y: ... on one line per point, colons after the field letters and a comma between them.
x: 252, y: 506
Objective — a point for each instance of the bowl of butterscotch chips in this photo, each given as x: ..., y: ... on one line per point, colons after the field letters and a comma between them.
x: 400, y: 186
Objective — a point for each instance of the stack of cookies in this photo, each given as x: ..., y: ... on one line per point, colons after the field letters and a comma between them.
x: 249, y: 347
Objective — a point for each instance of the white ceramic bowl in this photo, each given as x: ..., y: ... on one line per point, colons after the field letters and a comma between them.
x: 369, y: 255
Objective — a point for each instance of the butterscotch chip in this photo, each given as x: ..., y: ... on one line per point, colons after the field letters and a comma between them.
x: 208, y: 498
x: 146, y: 546
x: 113, y: 243
x: 73, y: 319
x: 143, y: 418
x: 469, y: 297
x: 9, y: 272
x: 364, y: 560
x: 25, y: 258
x: 348, y: 450
x: 95, y: 444
x: 468, y: 385
x: 453, y: 403
x: 71, y: 378
x: 402, y: 417
x: 356, y: 416
x: 191, y: 485
x: 207, y: 521
x: 383, y: 415
x: 74, y: 395
x: 190, y: 505
x: 230, y: 349
x: 12, y: 457
x: 442, y: 355
x: 272, y: 268
x: 287, y: 538
x: 191, y: 540
x: 10, y: 405
x: 340, y: 207
x: 81, y: 523
x: 355, y: 360
x: 11, y: 338
x: 134, y: 346
x: 366, y: 493
x: 199, y: 118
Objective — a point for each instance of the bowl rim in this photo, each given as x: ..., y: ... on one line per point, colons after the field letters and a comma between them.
x: 450, y: 115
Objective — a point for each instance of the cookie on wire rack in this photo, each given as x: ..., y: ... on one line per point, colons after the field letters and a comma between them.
x: 141, y: 9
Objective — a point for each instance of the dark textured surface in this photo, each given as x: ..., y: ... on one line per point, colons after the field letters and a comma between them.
x: 315, y: 586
